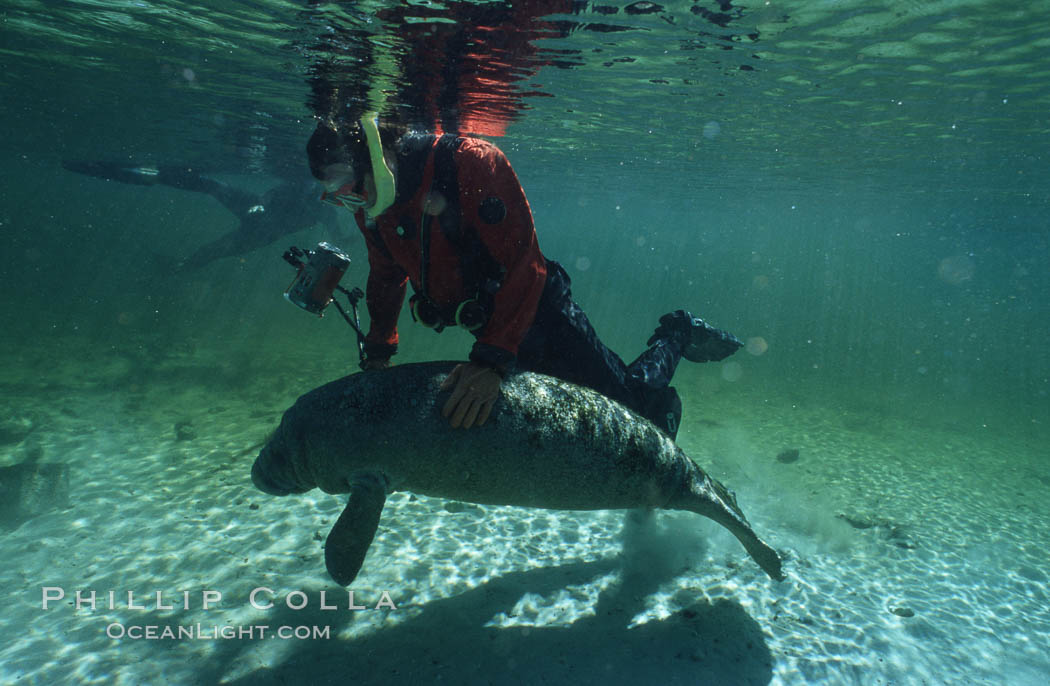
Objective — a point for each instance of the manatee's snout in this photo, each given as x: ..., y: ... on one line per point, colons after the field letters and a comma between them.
x: 266, y: 478
x: 264, y: 483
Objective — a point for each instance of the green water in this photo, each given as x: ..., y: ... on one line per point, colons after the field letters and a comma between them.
x: 856, y: 189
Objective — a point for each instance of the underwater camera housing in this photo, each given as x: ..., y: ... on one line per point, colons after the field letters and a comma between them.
x: 318, y: 276
x: 317, y: 280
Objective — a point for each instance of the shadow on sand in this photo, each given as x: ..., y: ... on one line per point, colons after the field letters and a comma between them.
x: 448, y: 642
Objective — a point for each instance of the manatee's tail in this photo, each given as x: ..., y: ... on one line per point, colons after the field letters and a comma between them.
x: 708, y: 497
x: 348, y: 541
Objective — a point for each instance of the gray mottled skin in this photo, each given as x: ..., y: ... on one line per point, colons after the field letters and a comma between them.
x: 547, y: 444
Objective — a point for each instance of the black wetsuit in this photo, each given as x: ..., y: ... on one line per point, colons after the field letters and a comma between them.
x: 289, y: 207
x: 561, y: 342
x: 286, y: 208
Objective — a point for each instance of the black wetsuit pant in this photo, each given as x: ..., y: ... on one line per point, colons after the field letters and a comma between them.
x: 264, y: 218
x: 562, y: 343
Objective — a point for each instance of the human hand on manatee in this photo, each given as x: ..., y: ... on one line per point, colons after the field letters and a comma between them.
x: 373, y: 363
x: 475, y: 391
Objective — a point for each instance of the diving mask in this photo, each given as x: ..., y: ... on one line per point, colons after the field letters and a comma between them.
x: 346, y: 196
x: 357, y: 198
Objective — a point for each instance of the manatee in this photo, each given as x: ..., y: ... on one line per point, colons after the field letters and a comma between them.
x: 548, y: 444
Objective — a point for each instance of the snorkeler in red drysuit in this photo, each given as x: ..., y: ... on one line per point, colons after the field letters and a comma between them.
x: 448, y: 215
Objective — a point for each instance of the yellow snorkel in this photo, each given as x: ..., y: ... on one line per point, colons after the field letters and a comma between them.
x: 381, y: 174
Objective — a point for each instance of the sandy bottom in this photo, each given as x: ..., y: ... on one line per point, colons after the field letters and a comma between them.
x: 916, y: 553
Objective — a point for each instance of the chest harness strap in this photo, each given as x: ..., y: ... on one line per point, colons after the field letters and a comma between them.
x: 480, y: 272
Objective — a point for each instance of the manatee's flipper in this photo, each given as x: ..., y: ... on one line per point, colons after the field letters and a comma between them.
x: 708, y: 497
x: 348, y: 541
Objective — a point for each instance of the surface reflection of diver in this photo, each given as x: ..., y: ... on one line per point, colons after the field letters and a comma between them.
x: 288, y: 207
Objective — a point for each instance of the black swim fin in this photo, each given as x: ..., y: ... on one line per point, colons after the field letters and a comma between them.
x: 700, y: 341
x: 124, y: 173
